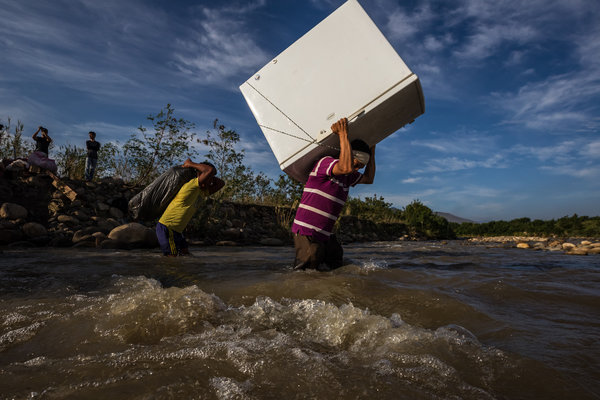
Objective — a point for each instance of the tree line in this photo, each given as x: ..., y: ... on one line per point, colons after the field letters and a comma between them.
x: 567, y: 226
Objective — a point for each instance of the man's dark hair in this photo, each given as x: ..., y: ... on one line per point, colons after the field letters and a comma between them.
x: 360, y: 145
x: 92, y: 133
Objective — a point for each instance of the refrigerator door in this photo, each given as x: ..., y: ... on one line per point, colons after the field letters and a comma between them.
x: 343, y: 67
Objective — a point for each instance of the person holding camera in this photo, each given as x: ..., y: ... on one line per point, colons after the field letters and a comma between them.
x: 42, y: 143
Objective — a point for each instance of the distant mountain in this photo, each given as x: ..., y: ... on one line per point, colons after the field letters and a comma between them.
x: 452, y: 218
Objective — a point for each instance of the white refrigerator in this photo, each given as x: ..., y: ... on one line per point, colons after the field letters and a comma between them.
x: 343, y: 67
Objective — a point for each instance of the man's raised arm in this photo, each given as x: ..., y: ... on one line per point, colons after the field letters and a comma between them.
x: 344, y: 165
x: 205, y: 171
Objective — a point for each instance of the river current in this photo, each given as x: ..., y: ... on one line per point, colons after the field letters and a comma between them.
x: 403, y: 320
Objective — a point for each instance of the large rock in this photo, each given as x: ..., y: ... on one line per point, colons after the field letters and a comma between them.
x: 12, y: 211
x: 102, y: 206
x: 134, y: 235
x: 110, y: 244
x: 577, y: 251
x: 105, y: 224
x: 115, y: 213
x: 84, y: 234
x: 67, y: 219
x: 99, y: 237
x: 232, y: 233
x: 85, y: 243
x: 34, y: 230
x: 60, y: 241
x: 81, y: 215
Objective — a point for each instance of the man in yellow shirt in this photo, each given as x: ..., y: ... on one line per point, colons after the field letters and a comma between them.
x: 182, y: 208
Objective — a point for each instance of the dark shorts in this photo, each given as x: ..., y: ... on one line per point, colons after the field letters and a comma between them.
x: 171, y: 243
x: 311, y: 253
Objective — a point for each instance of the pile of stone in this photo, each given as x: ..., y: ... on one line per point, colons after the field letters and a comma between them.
x: 40, y: 209
x: 45, y: 210
x: 581, y: 248
x: 567, y: 246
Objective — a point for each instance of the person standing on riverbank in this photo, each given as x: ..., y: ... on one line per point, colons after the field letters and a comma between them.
x: 323, y: 198
x: 92, y: 156
x: 170, y: 226
x: 42, y: 143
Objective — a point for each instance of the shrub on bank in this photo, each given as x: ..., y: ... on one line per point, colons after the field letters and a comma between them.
x: 567, y: 226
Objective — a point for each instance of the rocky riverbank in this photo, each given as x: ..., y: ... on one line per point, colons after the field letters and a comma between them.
x: 40, y: 209
x: 573, y: 246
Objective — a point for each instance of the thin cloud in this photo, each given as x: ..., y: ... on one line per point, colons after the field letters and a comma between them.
x: 591, y: 150
x: 103, y: 130
x: 576, y: 158
x: 18, y: 106
x: 411, y: 180
x: 576, y: 171
x: 452, y: 164
x: 403, y: 26
x: 479, y: 191
x: 221, y: 48
x: 91, y: 47
x: 478, y: 143
x: 511, y: 21
x: 556, y: 103
x: 485, y: 41
x: 561, y: 100
x: 560, y: 152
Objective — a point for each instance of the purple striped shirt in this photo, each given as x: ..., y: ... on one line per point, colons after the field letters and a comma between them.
x: 323, y: 198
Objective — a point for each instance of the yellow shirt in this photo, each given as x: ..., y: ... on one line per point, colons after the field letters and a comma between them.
x: 182, y: 208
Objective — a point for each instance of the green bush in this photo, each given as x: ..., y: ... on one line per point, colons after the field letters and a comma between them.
x: 565, y: 226
x: 423, y: 222
x: 373, y: 208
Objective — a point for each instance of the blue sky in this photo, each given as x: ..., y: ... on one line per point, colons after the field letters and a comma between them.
x: 512, y: 88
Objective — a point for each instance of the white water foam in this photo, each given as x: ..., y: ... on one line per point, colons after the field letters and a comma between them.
x: 262, y: 343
